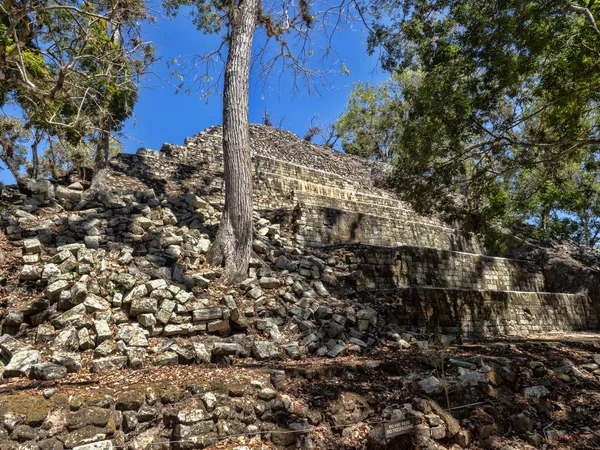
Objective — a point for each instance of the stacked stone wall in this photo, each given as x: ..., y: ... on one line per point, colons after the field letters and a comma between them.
x: 478, y: 312
x: 408, y: 266
x: 160, y: 415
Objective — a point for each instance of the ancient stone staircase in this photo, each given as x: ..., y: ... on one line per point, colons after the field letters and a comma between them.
x: 438, y: 276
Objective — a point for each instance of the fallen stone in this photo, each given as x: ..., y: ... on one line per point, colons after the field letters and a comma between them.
x: 52, y: 292
x: 30, y: 273
x: 108, y: 364
x: 47, y: 371
x: 431, y: 385
x: 269, y: 283
x: 536, y: 392
x: 71, y: 361
x: 21, y: 363
x: 264, y: 350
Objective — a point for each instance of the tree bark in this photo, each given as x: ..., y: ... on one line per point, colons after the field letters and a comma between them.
x: 99, y: 186
x: 35, y: 159
x: 6, y: 158
x: 232, y: 247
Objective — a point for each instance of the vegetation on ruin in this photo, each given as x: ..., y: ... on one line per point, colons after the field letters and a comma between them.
x: 491, y: 114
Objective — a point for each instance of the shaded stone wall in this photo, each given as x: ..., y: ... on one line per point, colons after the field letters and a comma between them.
x: 389, y: 268
x: 476, y: 312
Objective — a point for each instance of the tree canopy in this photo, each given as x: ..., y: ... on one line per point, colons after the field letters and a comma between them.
x: 505, y: 106
x: 67, y: 65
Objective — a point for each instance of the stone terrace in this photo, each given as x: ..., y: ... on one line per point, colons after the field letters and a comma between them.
x: 336, y: 199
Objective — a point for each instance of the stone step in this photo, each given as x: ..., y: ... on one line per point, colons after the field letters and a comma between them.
x: 487, y: 312
x: 407, y: 266
x: 321, y: 226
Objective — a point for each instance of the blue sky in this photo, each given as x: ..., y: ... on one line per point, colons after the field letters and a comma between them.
x: 162, y: 115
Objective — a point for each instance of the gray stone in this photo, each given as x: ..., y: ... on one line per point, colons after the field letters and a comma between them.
x: 431, y: 385
x: 94, y: 303
x: 66, y: 340
x: 207, y: 314
x: 320, y: 289
x: 136, y: 357
x: 86, y: 341
x: 177, y: 329
x: 167, y: 358
x: 32, y: 246
x: 70, y: 317
x: 71, y: 361
x: 473, y: 378
x: 52, y: 292
x: 105, y: 348
x: 109, y: 364
x: 263, y: 350
x: 229, y: 349
x: 143, y: 305
x: 30, y: 273
x: 255, y: 293
x: 71, y: 195
x: 14, y: 319
x: 132, y: 336
x: 102, y: 331
x: 269, y: 283
x: 45, y: 333
x: 201, y: 354
x: 147, y: 320
x: 47, y: 371
x: 99, y: 445
x: 78, y: 292
x: 9, y: 346
x: 336, y: 350
x: 21, y: 363
x: 536, y: 392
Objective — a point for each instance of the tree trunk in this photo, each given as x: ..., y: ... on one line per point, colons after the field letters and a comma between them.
x: 12, y: 168
x: 232, y: 247
x: 35, y: 159
x: 99, y: 186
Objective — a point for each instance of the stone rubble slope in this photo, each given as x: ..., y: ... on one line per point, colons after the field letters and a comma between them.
x: 123, y: 281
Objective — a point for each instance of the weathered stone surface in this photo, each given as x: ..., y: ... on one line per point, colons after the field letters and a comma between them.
x: 52, y: 292
x: 21, y: 363
x: 431, y: 385
x: 71, y: 361
x: 30, y: 273
x: 536, y: 391
x: 263, y: 350
x: 143, y: 305
x: 47, y: 371
x: 108, y: 364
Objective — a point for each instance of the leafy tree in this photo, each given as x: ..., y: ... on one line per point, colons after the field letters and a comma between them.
x: 68, y: 64
x: 374, y: 117
x: 505, y: 87
x: 13, y: 139
x: 285, y: 28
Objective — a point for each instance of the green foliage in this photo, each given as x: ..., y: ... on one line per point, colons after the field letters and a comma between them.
x: 374, y: 117
x: 504, y: 118
x: 77, y: 66
x: 14, y: 136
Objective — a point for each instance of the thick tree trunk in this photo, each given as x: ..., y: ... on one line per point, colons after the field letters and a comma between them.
x: 35, y: 159
x: 99, y: 186
x: 232, y: 247
x: 12, y: 167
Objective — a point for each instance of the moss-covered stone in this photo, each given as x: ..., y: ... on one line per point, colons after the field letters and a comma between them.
x: 130, y: 400
x: 170, y: 394
x: 33, y: 409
